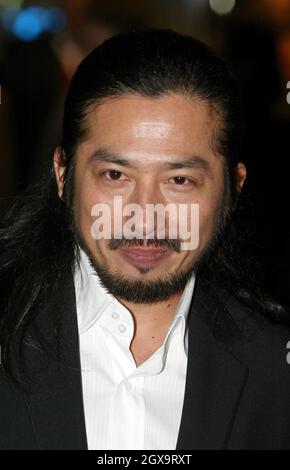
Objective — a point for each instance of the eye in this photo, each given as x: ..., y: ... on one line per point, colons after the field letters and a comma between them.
x: 114, y: 175
x: 181, y: 180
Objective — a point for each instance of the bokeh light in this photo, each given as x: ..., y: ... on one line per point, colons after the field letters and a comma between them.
x: 222, y: 7
x: 29, y: 23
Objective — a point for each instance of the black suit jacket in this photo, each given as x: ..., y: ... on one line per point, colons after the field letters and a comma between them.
x: 237, y: 392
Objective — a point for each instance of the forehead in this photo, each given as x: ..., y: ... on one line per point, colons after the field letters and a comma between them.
x: 170, y: 124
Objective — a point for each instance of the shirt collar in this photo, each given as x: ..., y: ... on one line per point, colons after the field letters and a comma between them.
x: 93, y: 299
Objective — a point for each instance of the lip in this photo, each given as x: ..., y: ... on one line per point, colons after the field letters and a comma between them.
x: 141, y: 257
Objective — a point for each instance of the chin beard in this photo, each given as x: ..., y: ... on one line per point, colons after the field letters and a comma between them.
x: 144, y: 291
x: 141, y: 291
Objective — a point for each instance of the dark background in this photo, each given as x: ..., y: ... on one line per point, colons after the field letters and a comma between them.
x: 37, y: 62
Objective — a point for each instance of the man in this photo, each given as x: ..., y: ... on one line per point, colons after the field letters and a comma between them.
x: 134, y: 340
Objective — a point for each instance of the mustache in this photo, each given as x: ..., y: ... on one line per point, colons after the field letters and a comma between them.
x: 172, y: 244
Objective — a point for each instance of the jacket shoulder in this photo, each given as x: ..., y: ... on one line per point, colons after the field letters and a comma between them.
x: 263, y: 340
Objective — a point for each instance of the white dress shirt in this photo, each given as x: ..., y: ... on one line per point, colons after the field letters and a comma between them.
x: 128, y: 407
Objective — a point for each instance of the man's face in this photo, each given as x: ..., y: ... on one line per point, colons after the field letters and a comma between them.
x: 136, y: 149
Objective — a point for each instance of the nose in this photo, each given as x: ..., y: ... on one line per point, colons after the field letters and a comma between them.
x: 148, y: 203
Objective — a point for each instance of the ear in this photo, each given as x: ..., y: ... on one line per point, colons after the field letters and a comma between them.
x: 59, y: 169
x: 241, y: 175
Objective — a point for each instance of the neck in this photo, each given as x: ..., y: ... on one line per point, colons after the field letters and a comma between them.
x: 159, y: 313
x: 151, y: 322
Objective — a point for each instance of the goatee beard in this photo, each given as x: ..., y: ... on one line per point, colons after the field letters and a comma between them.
x: 146, y: 291
x: 140, y: 291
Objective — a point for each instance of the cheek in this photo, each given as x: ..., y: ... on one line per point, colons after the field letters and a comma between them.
x: 208, y: 210
x: 83, y: 206
x: 86, y: 196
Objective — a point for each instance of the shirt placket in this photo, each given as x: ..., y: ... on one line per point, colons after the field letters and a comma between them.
x: 127, y: 409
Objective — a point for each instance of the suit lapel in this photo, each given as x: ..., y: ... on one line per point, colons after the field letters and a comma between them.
x: 215, y: 378
x: 56, y: 404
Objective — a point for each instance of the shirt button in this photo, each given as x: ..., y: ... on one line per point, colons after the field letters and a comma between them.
x: 115, y: 315
x: 122, y: 328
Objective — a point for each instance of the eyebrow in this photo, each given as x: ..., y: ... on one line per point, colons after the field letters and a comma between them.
x: 195, y: 161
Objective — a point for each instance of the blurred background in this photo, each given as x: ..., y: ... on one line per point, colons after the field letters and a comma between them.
x: 42, y: 42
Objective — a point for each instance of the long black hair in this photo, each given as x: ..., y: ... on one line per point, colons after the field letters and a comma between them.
x: 37, y: 242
